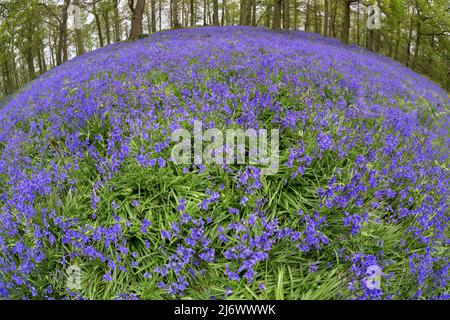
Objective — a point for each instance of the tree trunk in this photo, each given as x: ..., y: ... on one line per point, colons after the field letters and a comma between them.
x: 98, y: 24
x: 317, y: 17
x: 418, y: 40
x: 332, y: 25
x: 276, y: 23
x: 307, y: 16
x: 397, y: 42
x: 243, y: 14
x: 30, y: 64
x: 107, y: 26
x: 215, y: 12
x: 61, y: 53
x: 370, y: 40
x: 149, y: 19
x: 346, y: 22
x: 358, y: 31
x: 42, y: 53
x: 205, y: 5
x: 295, y: 26
x: 325, y: 19
x: 286, y: 15
x: 117, y: 31
x: 136, y: 18
x: 224, y: 9
x: 176, y: 23
x: 153, y: 15
x: 254, y: 13
x: 191, y: 13
x: 160, y: 14
x: 408, y: 45
x: 79, y: 35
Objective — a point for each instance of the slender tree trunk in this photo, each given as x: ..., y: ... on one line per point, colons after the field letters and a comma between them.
x: 215, y: 12
x: 205, y: 5
x: 9, y: 78
x: 98, y: 24
x: 295, y: 26
x: 286, y: 15
x: 245, y: 12
x: 192, y: 13
x: 377, y: 40
x: 346, y: 22
x: 52, y: 51
x: 42, y: 47
x: 117, y: 31
x: 79, y: 35
x: 136, y: 18
x: 325, y: 19
x: 358, y: 30
x: 160, y: 14
x: 370, y: 39
x: 149, y: 19
x: 224, y: 9
x: 332, y: 26
x: 61, y: 53
x: 232, y: 16
x: 418, y: 40
x: 176, y: 23
x: 107, y: 26
x: 317, y: 18
x: 39, y: 59
x: 153, y: 15
x: 30, y: 64
x: 397, y: 42
x: 276, y: 23
x: 408, y: 45
x: 254, y: 13
x: 307, y: 15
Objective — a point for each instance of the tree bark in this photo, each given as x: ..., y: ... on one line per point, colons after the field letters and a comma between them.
x: 176, y: 23
x: 137, y: 12
x: 370, y: 39
x: 192, y: 13
x: 153, y: 15
x: 205, y: 4
x: 61, y: 53
x: 325, y: 19
x: 418, y: 40
x: 224, y: 9
x: 358, y: 32
x: 107, y: 26
x: 215, y: 12
x: 160, y: 14
x: 286, y: 15
x: 408, y: 45
x: 346, y: 21
x: 117, y: 31
x: 79, y: 35
x: 98, y: 24
x: 253, y: 4
x: 276, y: 23
x: 333, y: 14
x: 397, y: 42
